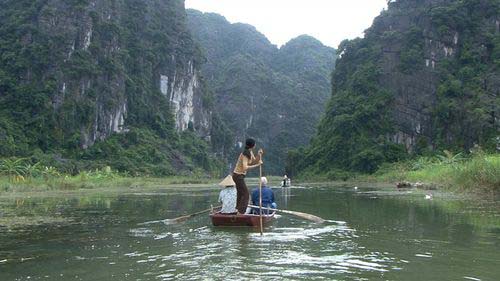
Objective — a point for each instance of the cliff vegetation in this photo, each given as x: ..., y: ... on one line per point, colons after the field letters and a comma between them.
x: 86, y: 84
x: 424, y: 79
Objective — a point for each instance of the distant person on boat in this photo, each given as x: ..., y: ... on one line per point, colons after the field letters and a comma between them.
x: 246, y: 161
x: 227, y: 196
x: 286, y: 182
x: 267, y: 198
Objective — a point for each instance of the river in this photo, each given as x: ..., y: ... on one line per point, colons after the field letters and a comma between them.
x: 370, y: 234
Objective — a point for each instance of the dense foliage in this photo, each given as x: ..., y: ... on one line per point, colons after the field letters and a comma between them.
x: 274, y: 95
x: 67, y: 70
x: 425, y: 78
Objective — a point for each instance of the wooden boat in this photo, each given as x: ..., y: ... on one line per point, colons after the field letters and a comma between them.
x: 251, y: 220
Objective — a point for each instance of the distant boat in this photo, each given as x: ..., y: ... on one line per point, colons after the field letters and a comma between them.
x: 219, y: 219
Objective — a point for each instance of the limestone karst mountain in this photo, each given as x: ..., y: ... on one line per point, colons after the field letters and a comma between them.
x: 275, y: 95
x: 115, y: 82
x: 424, y: 78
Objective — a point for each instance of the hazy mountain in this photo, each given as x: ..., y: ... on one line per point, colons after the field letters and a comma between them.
x: 275, y: 95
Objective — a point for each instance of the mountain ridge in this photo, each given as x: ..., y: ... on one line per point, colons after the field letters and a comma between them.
x: 259, y: 91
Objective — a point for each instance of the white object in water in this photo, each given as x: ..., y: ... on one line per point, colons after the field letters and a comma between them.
x: 428, y: 196
x: 355, y: 188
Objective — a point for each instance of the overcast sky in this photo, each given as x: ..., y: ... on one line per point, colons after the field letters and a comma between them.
x: 330, y: 21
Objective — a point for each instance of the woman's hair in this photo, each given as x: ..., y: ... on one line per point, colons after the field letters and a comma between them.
x: 249, y: 144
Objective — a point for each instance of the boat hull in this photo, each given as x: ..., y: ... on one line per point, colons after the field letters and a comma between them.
x: 219, y: 219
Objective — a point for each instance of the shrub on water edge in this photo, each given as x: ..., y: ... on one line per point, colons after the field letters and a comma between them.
x: 450, y: 158
x: 98, y: 174
x: 392, y: 171
x: 311, y: 176
x: 336, y: 175
x: 480, y: 172
x: 21, y: 173
x: 421, y: 163
x: 437, y: 173
x: 13, y: 167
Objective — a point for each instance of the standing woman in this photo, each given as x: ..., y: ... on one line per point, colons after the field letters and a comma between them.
x: 246, y: 161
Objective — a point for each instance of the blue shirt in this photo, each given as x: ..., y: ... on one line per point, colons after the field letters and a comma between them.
x: 267, y: 197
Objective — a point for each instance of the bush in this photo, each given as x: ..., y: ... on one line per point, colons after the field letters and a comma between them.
x: 479, y: 172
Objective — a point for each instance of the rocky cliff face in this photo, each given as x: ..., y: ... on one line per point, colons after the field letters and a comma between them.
x: 103, y: 66
x: 424, y: 78
x: 274, y: 95
x: 437, y: 34
x: 76, y: 73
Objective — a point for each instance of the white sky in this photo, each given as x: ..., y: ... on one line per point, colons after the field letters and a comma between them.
x: 330, y: 21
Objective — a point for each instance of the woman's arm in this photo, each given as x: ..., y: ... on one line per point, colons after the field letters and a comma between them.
x: 247, y: 162
x: 257, y: 159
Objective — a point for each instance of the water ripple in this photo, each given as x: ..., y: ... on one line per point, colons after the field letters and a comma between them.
x: 307, y: 250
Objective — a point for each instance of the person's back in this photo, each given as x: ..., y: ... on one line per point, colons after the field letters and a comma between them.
x: 267, y: 197
x: 227, y: 196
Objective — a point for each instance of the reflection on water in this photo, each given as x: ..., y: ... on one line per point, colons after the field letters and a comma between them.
x: 369, y: 235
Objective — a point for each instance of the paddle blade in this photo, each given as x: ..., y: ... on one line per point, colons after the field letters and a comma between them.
x: 178, y: 220
x: 310, y: 217
x: 306, y: 216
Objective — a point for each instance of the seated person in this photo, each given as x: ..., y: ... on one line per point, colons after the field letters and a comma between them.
x: 227, y: 196
x: 267, y: 198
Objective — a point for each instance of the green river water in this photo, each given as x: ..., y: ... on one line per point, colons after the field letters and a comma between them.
x: 370, y: 234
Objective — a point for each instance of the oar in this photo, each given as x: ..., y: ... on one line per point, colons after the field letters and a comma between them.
x: 260, y: 197
x: 186, y: 217
x: 295, y: 213
x: 181, y: 218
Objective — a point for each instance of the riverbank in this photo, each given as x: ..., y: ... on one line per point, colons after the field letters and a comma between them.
x: 104, y: 181
x: 95, y: 182
x: 478, y: 173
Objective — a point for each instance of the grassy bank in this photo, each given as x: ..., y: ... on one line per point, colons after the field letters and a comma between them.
x: 478, y: 172
x: 99, y: 180
x: 79, y: 182
x: 19, y: 175
x: 22, y: 174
